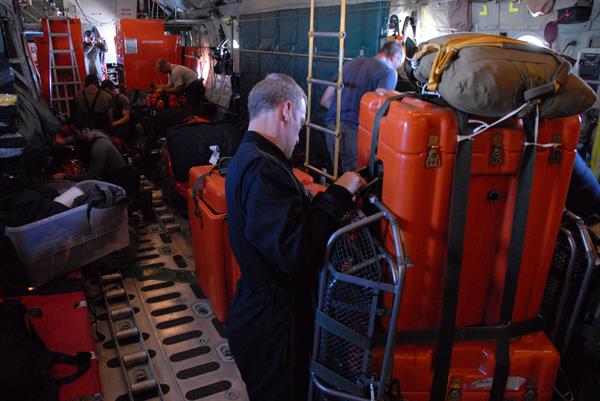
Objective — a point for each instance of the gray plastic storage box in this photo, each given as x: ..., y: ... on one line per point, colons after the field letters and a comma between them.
x: 66, y: 241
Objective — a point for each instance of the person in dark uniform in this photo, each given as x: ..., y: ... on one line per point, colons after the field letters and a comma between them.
x: 278, y: 236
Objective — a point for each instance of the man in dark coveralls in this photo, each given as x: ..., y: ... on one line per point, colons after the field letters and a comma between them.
x: 278, y: 236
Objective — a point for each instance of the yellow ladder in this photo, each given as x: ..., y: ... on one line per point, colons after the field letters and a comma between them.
x: 339, y: 85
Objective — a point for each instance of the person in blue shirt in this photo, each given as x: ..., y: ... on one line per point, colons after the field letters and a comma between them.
x: 278, y: 235
x: 360, y: 76
x: 584, y: 191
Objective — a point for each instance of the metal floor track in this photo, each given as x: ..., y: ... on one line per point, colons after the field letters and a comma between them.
x: 188, y: 348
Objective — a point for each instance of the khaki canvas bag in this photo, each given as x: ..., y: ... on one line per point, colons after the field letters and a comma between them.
x: 490, y: 75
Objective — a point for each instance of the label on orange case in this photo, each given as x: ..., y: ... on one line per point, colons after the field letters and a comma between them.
x: 512, y: 384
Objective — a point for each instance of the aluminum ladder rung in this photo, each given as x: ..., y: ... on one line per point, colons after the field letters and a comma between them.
x: 61, y: 51
x: 58, y: 35
x: 328, y: 34
x: 66, y: 83
x: 322, y: 129
x: 62, y: 99
x: 316, y: 170
x: 314, y: 81
x: 63, y: 67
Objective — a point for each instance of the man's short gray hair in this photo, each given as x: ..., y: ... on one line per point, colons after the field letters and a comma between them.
x: 161, y: 63
x: 271, y: 92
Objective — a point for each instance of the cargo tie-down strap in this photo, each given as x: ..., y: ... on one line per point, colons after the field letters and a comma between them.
x: 515, y: 252
x: 458, y: 215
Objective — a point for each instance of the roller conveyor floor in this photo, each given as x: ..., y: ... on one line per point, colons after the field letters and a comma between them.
x: 187, y: 345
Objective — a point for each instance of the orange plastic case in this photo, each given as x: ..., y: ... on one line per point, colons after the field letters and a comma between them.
x: 217, y: 270
x: 420, y: 196
x: 533, y: 367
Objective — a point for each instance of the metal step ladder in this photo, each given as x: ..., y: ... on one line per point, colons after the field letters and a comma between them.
x: 138, y: 371
x: 62, y: 92
x: 338, y: 85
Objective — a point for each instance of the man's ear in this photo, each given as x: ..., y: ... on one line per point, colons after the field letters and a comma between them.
x: 286, y: 111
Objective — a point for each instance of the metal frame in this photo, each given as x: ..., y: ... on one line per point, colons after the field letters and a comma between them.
x: 564, y: 295
x: 128, y: 312
x: 339, y: 85
x: 56, y: 99
x: 397, y: 265
x: 593, y: 261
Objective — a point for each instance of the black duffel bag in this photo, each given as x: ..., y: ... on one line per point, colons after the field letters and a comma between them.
x: 189, y: 145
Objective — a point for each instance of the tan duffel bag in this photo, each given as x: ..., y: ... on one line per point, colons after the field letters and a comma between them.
x: 490, y: 75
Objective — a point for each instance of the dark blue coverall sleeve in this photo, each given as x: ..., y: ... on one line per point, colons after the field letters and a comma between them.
x: 285, y: 229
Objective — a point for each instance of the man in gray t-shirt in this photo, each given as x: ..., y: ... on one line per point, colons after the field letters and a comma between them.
x: 360, y: 76
x: 105, y: 159
x: 182, y: 80
x: 93, y: 106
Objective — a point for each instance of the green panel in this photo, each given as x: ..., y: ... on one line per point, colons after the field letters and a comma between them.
x: 303, y: 26
x: 285, y: 65
x: 268, y: 64
x: 327, y: 19
x: 249, y: 63
x: 366, y: 26
x: 269, y: 31
x: 288, y: 30
x: 249, y: 31
x: 301, y: 71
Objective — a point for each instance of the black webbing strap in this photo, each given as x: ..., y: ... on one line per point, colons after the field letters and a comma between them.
x: 90, y: 109
x: 47, y: 359
x: 383, y: 110
x: 456, y: 239
x: 81, y: 360
x: 197, y: 185
x: 221, y: 167
x: 469, y: 333
x: 515, y: 251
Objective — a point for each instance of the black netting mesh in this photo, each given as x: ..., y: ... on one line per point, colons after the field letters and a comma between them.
x: 556, y: 277
x: 350, y: 304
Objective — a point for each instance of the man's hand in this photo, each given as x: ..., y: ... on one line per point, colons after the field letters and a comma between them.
x: 59, y: 176
x: 351, y: 181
